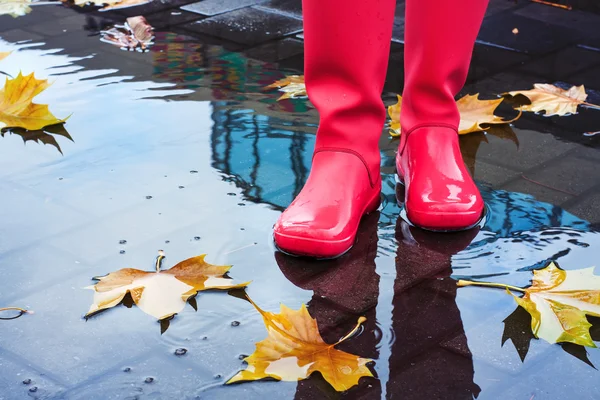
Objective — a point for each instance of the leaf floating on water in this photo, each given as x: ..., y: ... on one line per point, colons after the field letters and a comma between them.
x: 294, y: 349
x: 558, y: 302
x: 135, y: 34
x: 161, y: 294
x: 553, y: 100
x: 292, y: 86
x: 473, y: 113
x: 17, y: 109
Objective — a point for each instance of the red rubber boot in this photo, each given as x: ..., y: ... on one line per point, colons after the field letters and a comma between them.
x: 439, y: 39
x: 346, y: 48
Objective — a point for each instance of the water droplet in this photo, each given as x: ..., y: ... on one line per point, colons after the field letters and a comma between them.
x: 149, y: 379
x: 235, y: 323
x: 242, y: 229
x: 122, y: 252
x: 122, y: 241
x: 242, y: 356
x: 204, y: 337
x: 27, y: 381
x: 193, y: 172
x: 33, y: 389
x: 231, y: 194
x: 181, y: 187
x: 60, y: 179
x: 127, y: 369
x: 218, y: 376
x: 167, y: 241
x: 180, y: 351
x: 148, y: 197
x: 196, y: 237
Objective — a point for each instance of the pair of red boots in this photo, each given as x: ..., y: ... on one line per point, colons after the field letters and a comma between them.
x: 346, y: 55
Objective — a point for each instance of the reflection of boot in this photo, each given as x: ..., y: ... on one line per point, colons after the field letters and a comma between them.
x: 430, y: 358
x: 344, y: 289
x: 346, y: 46
x: 439, y: 39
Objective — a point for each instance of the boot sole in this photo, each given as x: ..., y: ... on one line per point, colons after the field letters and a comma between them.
x: 303, y: 242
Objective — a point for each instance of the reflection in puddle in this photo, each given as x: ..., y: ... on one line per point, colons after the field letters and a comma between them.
x: 142, y: 122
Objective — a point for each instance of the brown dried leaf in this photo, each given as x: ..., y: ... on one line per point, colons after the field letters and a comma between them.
x: 553, y: 100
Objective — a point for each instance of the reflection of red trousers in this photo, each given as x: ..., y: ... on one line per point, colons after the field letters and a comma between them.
x: 429, y: 358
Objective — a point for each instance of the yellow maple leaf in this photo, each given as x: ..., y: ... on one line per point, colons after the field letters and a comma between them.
x: 17, y: 109
x: 161, y: 294
x: 473, y: 114
x: 292, y: 86
x: 558, y: 302
x: 294, y: 349
x: 553, y: 100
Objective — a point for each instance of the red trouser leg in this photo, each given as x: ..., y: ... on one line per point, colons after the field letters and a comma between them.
x: 346, y: 48
x: 439, y: 39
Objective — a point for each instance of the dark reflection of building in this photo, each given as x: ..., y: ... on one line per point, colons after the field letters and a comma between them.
x: 268, y: 162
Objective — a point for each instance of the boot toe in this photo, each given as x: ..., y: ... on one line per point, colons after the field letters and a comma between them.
x: 305, y: 240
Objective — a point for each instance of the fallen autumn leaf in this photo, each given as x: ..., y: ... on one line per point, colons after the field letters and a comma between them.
x: 294, y: 349
x: 136, y: 33
x: 558, y: 302
x: 161, y: 294
x: 553, y: 100
x: 473, y: 113
x: 17, y: 109
x: 292, y: 86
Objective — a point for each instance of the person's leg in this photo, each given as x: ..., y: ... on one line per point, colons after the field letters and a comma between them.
x: 439, y: 39
x: 346, y: 49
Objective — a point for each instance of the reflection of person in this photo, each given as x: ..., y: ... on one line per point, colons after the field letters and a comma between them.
x: 346, y: 52
x: 429, y: 358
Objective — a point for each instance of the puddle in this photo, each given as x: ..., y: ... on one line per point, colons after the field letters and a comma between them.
x: 180, y: 149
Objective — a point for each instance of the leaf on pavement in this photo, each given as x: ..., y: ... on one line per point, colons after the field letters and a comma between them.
x: 15, y: 8
x: 473, y: 114
x: 553, y: 100
x: 292, y: 86
x: 135, y: 34
x: 161, y: 294
x: 294, y: 349
x: 17, y: 109
x: 558, y: 302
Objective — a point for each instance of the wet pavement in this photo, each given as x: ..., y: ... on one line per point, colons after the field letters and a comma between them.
x: 180, y: 149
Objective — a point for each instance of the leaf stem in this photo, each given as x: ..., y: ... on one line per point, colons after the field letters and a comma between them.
x: 21, y: 310
x: 159, y: 260
x: 590, y: 105
x: 462, y: 283
x: 353, y: 331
